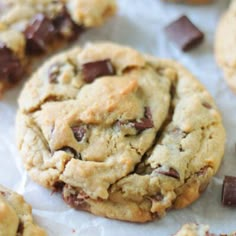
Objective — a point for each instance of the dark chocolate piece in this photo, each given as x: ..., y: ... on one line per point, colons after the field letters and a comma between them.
x: 75, y: 198
x: 20, y: 229
x: 79, y: 132
x: 171, y: 173
x: 146, y: 122
x: 66, y: 27
x: 93, y: 70
x: 11, y: 69
x: 39, y: 33
x: 229, y: 191
x: 184, y: 33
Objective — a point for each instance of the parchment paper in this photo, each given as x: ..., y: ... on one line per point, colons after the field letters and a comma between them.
x: 139, y: 24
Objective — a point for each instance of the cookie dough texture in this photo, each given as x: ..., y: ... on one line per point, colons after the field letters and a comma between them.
x: 225, y: 41
x: 127, y: 146
x: 61, y: 20
x: 16, y: 216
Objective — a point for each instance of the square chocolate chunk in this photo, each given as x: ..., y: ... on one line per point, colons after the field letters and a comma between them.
x: 184, y: 33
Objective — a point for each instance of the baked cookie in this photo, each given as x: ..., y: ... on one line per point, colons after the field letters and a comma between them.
x: 225, y: 45
x: 121, y: 134
x: 190, y: 1
x: 198, y: 230
x: 16, y: 216
x: 32, y: 27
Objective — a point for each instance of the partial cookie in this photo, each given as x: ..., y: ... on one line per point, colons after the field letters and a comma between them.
x: 225, y: 45
x: 16, y: 216
x: 121, y: 134
x: 190, y: 1
x: 32, y: 27
x: 198, y: 230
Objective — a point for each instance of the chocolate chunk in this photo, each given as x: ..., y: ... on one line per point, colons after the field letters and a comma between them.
x: 171, y: 173
x: 75, y: 198
x: 65, y: 26
x: 39, y: 33
x: 11, y: 69
x: 229, y: 191
x: 184, y: 33
x: 146, y: 122
x: 93, y: 70
x: 58, y: 186
x: 79, y: 132
x: 71, y: 151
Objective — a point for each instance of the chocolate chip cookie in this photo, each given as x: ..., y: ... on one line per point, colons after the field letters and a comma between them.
x: 198, y: 230
x: 16, y: 216
x: 120, y: 134
x: 225, y: 45
x: 33, y: 27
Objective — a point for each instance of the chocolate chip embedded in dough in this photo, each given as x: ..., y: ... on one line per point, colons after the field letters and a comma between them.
x: 79, y: 132
x: 66, y: 27
x: 96, y: 69
x: 229, y: 191
x: 11, y: 69
x: 71, y: 151
x: 146, y: 122
x: 171, y: 173
x: 39, y: 33
x: 184, y: 33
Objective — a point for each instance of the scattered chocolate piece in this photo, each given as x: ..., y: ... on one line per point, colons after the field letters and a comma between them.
x: 79, y: 132
x: 65, y: 26
x: 11, y: 69
x: 146, y: 122
x: 39, y: 33
x: 71, y: 151
x: 93, y: 70
x: 229, y: 191
x: 171, y: 173
x: 184, y: 33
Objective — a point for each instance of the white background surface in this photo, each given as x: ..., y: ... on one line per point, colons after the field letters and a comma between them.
x: 139, y: 24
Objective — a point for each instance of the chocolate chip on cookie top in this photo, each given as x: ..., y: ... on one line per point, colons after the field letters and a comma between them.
x: 32, y: 27
x: 121, y: 134
x: 16, y: 215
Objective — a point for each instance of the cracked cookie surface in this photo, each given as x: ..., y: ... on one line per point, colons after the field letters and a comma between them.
x: 29, y: 28
x: 120, y: 134
x: 225, y: 41
x: 16, y: 216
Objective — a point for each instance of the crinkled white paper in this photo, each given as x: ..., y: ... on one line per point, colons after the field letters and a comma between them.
x: 138, y: 24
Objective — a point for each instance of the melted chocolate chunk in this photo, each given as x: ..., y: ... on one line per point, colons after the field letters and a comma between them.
x: 39, y: 33
x: 66, y: 27
x: 207, y: 105
x: 229, y: 191
x: 75, y: 199
x: 184, y: 33
x: 71, y: 151
x: 11, y: 69
x: 171, y: 173
x: 58, y: 186
x: 79, y: 132
x: 93, y: 70
x: 146, y: 122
